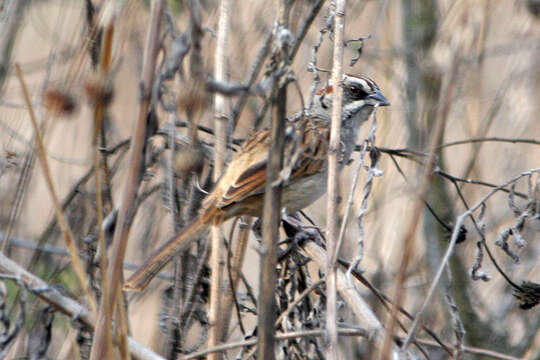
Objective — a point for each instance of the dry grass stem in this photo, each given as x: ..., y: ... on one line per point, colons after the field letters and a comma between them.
x: 64, y: 226
x: 332, y: 212
x: 100, y: 109
x: 235, y: 262
x: 423, y: 188
x: 272, y: 197
x: 290, y: 335
x: 144, y: 104
x: 65, y: 304
x: 125, y: 216
x: 221, y: 118
x: 459, y: 223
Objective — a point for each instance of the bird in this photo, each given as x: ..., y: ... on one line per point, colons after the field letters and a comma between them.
x: 240, y: 190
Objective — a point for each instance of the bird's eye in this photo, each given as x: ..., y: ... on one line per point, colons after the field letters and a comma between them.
x: 358, y: 92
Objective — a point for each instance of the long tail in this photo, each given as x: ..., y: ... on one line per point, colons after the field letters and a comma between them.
x: 162, y: 256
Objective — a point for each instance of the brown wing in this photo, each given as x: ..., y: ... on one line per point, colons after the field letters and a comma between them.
x: 246, y: 174
x: 313, y: 153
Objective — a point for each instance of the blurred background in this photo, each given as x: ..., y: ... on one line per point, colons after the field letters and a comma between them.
x: 475, y: 64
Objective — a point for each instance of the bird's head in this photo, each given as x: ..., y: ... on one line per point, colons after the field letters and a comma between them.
x: 360, y: 96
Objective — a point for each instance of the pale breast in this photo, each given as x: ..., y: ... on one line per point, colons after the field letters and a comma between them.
x: 303, y: 192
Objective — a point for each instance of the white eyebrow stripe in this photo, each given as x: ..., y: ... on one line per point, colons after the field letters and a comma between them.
x: 366, y: 83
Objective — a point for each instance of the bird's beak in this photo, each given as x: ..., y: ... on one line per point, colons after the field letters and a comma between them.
x: 380, y: 99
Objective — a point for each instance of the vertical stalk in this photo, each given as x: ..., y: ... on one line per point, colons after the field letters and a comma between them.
x: 271, y: 218
x: 220, y: 124
x: 125, y: 216
x: 235, y: 263
x: 272, y: 208
x: 333, y: 177
x: 100, y: 108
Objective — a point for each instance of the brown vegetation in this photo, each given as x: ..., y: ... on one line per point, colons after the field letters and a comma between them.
x: 433, y: 232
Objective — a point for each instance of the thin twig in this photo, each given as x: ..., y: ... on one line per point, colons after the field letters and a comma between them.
x: 12, y: 21
x: 64, y: 226
x: 475, y: 182
x: 315, y: 9
x: 285, y: 336
x: 296, y: 301
x: 359, y: 307
x: 386, y: 302
x: 475, y: 274
x: 490, y: 139
x: 372, y: 173
x: 409, y: 236
x: 75, y: 190
x: 65, y: 304
x: 459, y: 222
x: 56, y: 250
x: 312, y: 66
x: 252, y: 76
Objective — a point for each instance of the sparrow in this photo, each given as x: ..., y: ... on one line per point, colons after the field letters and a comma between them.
x: 240, y: 190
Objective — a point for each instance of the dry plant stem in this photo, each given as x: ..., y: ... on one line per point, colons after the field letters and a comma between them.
x: 350, y: 200
x: 100, y: 109
x: 263, y: 52
x: 75, y: 190
x: 372, y: 172
x: 69, y: 346
x: 104, y: 66
x: 13, y: 13
x: 297, y: 300
x: 475, y: 351
x: 318, y: 4
x: 64, y: 226
x: 173, y: 336
x: 254, y: 71
x: 284, y: 336
x: 271, y: 219
x: 236, y: 264
x: 122, y: 328
x: 125, y: 216
x: 359, y: 307
x: 425, y: 181
x: 65, y: 304
x: 22, y: 185
x: 55, y: 250
x: 342, y: 332
x: 491, y: 139
x: 459, y: 330
x: 494, y: 109
x: 347, y: 211
x: 459, y: 222
x: 333, y: 178
x: 272, y: 209
x: 385, y: 301
x: 220, y: 127
x: 475, y: 182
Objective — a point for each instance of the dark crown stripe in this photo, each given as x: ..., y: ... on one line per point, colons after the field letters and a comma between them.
x: 372, y: 84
